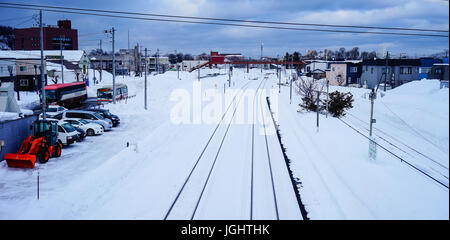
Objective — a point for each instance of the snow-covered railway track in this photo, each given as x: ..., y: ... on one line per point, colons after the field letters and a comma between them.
x: 413, y: 166
x: 195, y: 169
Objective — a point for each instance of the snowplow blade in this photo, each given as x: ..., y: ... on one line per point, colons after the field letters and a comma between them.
x: 20, y: 160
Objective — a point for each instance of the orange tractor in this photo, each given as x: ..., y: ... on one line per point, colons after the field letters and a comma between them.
x: 41, y: 145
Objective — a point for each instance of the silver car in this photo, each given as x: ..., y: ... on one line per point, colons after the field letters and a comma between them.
x: 89, y: 116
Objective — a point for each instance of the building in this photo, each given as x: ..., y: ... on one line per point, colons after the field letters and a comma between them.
x: 187, y: 65
x: 54, y: 37
x: 425, y: 66
x: 439, y: 71
x: 7, y: 69
x: 314, y: 65
x: 344, y: 73
x: 399, y: 71
x: 27, y: 64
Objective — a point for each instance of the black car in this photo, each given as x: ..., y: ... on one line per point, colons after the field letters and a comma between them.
x: 106, y: 114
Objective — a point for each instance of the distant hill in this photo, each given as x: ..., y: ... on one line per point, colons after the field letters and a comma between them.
x: 6, y: 37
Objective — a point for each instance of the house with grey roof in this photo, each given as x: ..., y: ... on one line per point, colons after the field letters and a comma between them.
x: 399, y: 71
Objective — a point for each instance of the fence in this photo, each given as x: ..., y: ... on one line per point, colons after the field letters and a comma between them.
x: 13, y: 133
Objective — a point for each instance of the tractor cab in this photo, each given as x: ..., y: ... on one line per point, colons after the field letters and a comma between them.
x: 46, y: 129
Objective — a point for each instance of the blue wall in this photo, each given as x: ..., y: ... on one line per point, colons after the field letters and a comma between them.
x: 427, y: 62
x: 13, y: 133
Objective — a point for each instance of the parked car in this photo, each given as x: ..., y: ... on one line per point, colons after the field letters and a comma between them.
x: 90, y: 128
x: 66, y: 133
x: 106, y: 114
x: 53, y: 110
x: 89, y: 116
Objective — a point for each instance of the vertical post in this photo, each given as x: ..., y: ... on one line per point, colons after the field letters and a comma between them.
x: 62, y: 58
x: 328, y: 85
x: 262, y: 57
x: 113, y: 67
x: 372, y: 97
x: 386, y: 70
x: 178, y: 70
x: 198, y: 71
x: 145, y: 94
x: 229, y: 77
x: 290, y: 94
x: 38, y: 186
x: 317, y: 109
x: 44, y: 99
x: 101, y: 60
x: 279, y: 82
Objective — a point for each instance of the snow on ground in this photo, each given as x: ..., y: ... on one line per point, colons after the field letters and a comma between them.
x: 103, y: 179
x: 338, y: 179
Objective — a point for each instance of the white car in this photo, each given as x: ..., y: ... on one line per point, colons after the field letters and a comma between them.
x: 90, y: 128
x: 88, y: 116
x: 53, y: 110
x: 67, y: 134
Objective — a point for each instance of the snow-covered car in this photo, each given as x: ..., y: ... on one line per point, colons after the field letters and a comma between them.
x: 53, y: 110
x: 90, y: 128
x: 88, y: 116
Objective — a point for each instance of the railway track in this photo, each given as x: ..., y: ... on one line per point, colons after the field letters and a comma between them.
x: 212, y: 177
x: 402, y: 159
x: 208, y: 144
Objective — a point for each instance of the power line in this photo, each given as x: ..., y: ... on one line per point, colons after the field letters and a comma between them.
x: 235, y: 25
x: 230, y: 20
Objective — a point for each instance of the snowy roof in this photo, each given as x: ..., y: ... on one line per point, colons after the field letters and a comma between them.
x: 69, y: 55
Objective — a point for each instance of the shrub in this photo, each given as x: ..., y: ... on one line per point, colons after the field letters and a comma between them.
x: 339, y: 103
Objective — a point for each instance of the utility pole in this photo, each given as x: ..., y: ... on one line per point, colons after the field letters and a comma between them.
x: 261, y: 56
x: 386, y: 70
x: 198, y: 71
x: 372, y: 97
x: 44, y: 114
x: 290, y: 94
x: 317, y: 108
x: 101, y: 60
x: 279, y: 81
x: 328, y: 86
x: 112, y: 31
x: 62, y: 58
x: 145, y: 94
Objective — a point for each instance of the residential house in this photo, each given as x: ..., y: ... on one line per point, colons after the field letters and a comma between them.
x: 7, y: 69
x: 399, y: 71
x: 439, y: 71
x: 425, y: 66
x: 344, y: 73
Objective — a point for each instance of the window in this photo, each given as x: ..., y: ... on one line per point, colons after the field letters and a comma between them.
x: 437, y: 71
x: 60, y: 129
x: 371, y: 70
x: 23, y: 68
x: 405, y: 70
x: 367, y: 68
x: 425, y: 70
x: 333, y: 69
x: 353, y: 69
x: 23, y: 82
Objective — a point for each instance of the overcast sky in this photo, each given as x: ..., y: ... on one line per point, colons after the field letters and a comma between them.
x: 195, y: 39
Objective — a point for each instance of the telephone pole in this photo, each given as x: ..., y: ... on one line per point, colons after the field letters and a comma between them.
x: 328, y: 86
x: 372, y: 97
x: 386, y: 71
x: 145, y: 94
x: 262, y: 56
x: 112, y: 31
x: 44, y: 99
x: 101, y: 60
x: 62, y: 58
